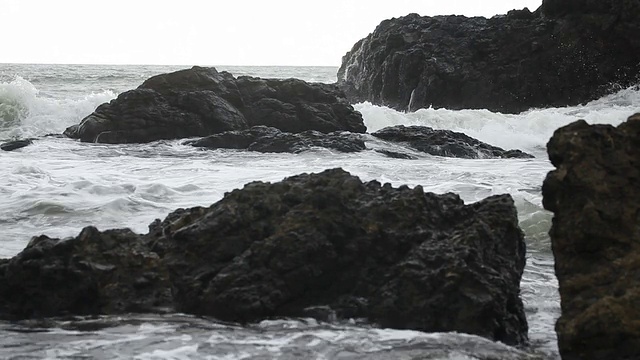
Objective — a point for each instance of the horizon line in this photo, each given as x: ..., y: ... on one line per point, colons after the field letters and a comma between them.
x: 142, y: 64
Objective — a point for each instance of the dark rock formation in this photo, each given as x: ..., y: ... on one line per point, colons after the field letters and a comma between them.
x: 595, y: 196
x: 269, y: 139
x: 565, y: 53
x: 435, y: 142
x: 94, y: 273
x: 395, y: 154
x: 445, y: 143
x: 397, y: 256
x: 202, y: 101
x: 15, y: 144
x: 365, y: 250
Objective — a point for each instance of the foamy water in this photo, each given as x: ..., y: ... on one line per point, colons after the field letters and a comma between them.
x: 57, y: 186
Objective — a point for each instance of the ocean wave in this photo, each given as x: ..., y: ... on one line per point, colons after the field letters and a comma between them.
x: 528, y: 131
x: 26, y: 112
x: 13, y: 108
x: 178, y: 336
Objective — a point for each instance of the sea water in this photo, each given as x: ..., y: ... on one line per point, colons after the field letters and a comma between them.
x: 57, y: 186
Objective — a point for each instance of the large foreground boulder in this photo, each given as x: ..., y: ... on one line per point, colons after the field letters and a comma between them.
x: 308, y: 245
x: 565, y: 53
x: 202, y: 101
x: 595, y: 196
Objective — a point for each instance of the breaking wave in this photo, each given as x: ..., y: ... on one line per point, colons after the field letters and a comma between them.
x: 26, y: 112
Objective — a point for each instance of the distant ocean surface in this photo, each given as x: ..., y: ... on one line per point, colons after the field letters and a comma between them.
x: 57, y: 186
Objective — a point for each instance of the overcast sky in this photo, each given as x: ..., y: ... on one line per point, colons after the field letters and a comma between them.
x: 207, y: 32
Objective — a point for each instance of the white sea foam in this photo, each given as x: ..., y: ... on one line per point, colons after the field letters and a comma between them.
x: 184, y: 337
x: 25, y: 112
x: 528, y: 131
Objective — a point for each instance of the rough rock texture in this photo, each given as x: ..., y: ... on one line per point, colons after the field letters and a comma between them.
x: 269, y: 139
x: 93, y: 273
x: 202, y: 101
x: 445, y: 143
x: 400, y: 257
x: 594, y: 194
x: 565, y: 53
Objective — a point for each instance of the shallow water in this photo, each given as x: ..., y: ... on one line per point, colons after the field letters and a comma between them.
x: 57, y: 186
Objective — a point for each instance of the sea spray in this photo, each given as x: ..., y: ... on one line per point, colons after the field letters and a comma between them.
x: 27, y: 112
x: 528, y: 131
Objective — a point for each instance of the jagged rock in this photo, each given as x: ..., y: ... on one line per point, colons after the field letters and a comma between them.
x: 269, y: 139
x: 565, y: 53
x: 93, y: 273
x: 202, y: 101
x: 15, y: 144
x: 325, y: 244
x: 361, y: 248
x: 595, y: 196
x: 445, y: 143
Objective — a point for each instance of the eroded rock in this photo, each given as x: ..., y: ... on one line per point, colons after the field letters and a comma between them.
x: 594, y: 194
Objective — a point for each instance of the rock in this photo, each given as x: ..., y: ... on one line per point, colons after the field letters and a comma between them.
x: 399, y: 257
x: 594, y: 194
x: 565, y: 53
x: 395, y: 154
x: 15, y: 144
x: 293, y: 105
x: 202, y: 101
x: 625, y: 10
x: 445, y: 143
x: 93, y: 273
x: 324, y: 244
x: 269, y: 139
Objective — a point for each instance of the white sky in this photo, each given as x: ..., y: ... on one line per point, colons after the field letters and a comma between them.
x: 213, y: 32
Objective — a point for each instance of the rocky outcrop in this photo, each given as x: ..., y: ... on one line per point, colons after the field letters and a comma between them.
x: 268, y: 139
x: 445, y: 143
x: 595, y: 196
x: 565, y: 53
x: 421, y: 138
x: 93, y: 273
x: 202, y: 101
x: 312, y: 244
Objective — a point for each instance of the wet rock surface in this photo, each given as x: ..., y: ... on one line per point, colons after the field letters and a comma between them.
x: 269, y: 139
x: 202, y: 101
x: 398, y: 257
x: 15, y: 144
x: 421, y: 138
x: 594, y: 194
x: 564, y: 53
x: 445, y: 143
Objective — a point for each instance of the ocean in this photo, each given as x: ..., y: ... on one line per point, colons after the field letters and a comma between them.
x: 57, y: 186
